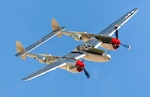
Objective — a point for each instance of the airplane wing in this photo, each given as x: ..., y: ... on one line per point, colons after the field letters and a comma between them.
x: 46, y: 69
x: 109, y: 31
x: 40, y: 42
x: 70, y: 58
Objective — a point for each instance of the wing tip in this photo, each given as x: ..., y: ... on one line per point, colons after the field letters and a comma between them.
x: 135, y: 10
x: 25, y: 79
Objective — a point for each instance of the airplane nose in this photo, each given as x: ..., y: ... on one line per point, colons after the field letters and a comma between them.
x: 106, y: 55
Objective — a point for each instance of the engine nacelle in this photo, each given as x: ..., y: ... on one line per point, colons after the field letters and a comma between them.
x: 93, y: 54
x: 109, y: 43
x: 97, y: 55
x: 74, y: 66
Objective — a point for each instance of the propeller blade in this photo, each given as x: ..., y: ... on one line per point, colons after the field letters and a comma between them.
x: 86, y: 73
x: 116, y: 33
x: 126, y: 46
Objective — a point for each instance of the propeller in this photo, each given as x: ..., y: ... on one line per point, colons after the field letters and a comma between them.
x: 117, y: 35
x: 85, y: 71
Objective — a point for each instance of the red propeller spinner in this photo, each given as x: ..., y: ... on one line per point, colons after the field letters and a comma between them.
x: 115, y: 43
x: 80, y: 67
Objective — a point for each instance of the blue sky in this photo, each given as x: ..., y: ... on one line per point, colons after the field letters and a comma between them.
x: 126, y: 75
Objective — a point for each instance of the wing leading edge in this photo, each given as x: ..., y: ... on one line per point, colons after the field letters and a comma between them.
x: 109, y: 31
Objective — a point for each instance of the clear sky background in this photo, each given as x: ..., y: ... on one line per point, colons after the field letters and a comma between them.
x: 125, y: 75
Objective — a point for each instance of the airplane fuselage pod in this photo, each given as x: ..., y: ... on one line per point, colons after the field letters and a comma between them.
x: 93, y: 54
x: 97, y: 55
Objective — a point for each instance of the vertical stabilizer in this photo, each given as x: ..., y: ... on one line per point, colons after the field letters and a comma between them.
x: 56, y: 27
x: 20, y: 49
